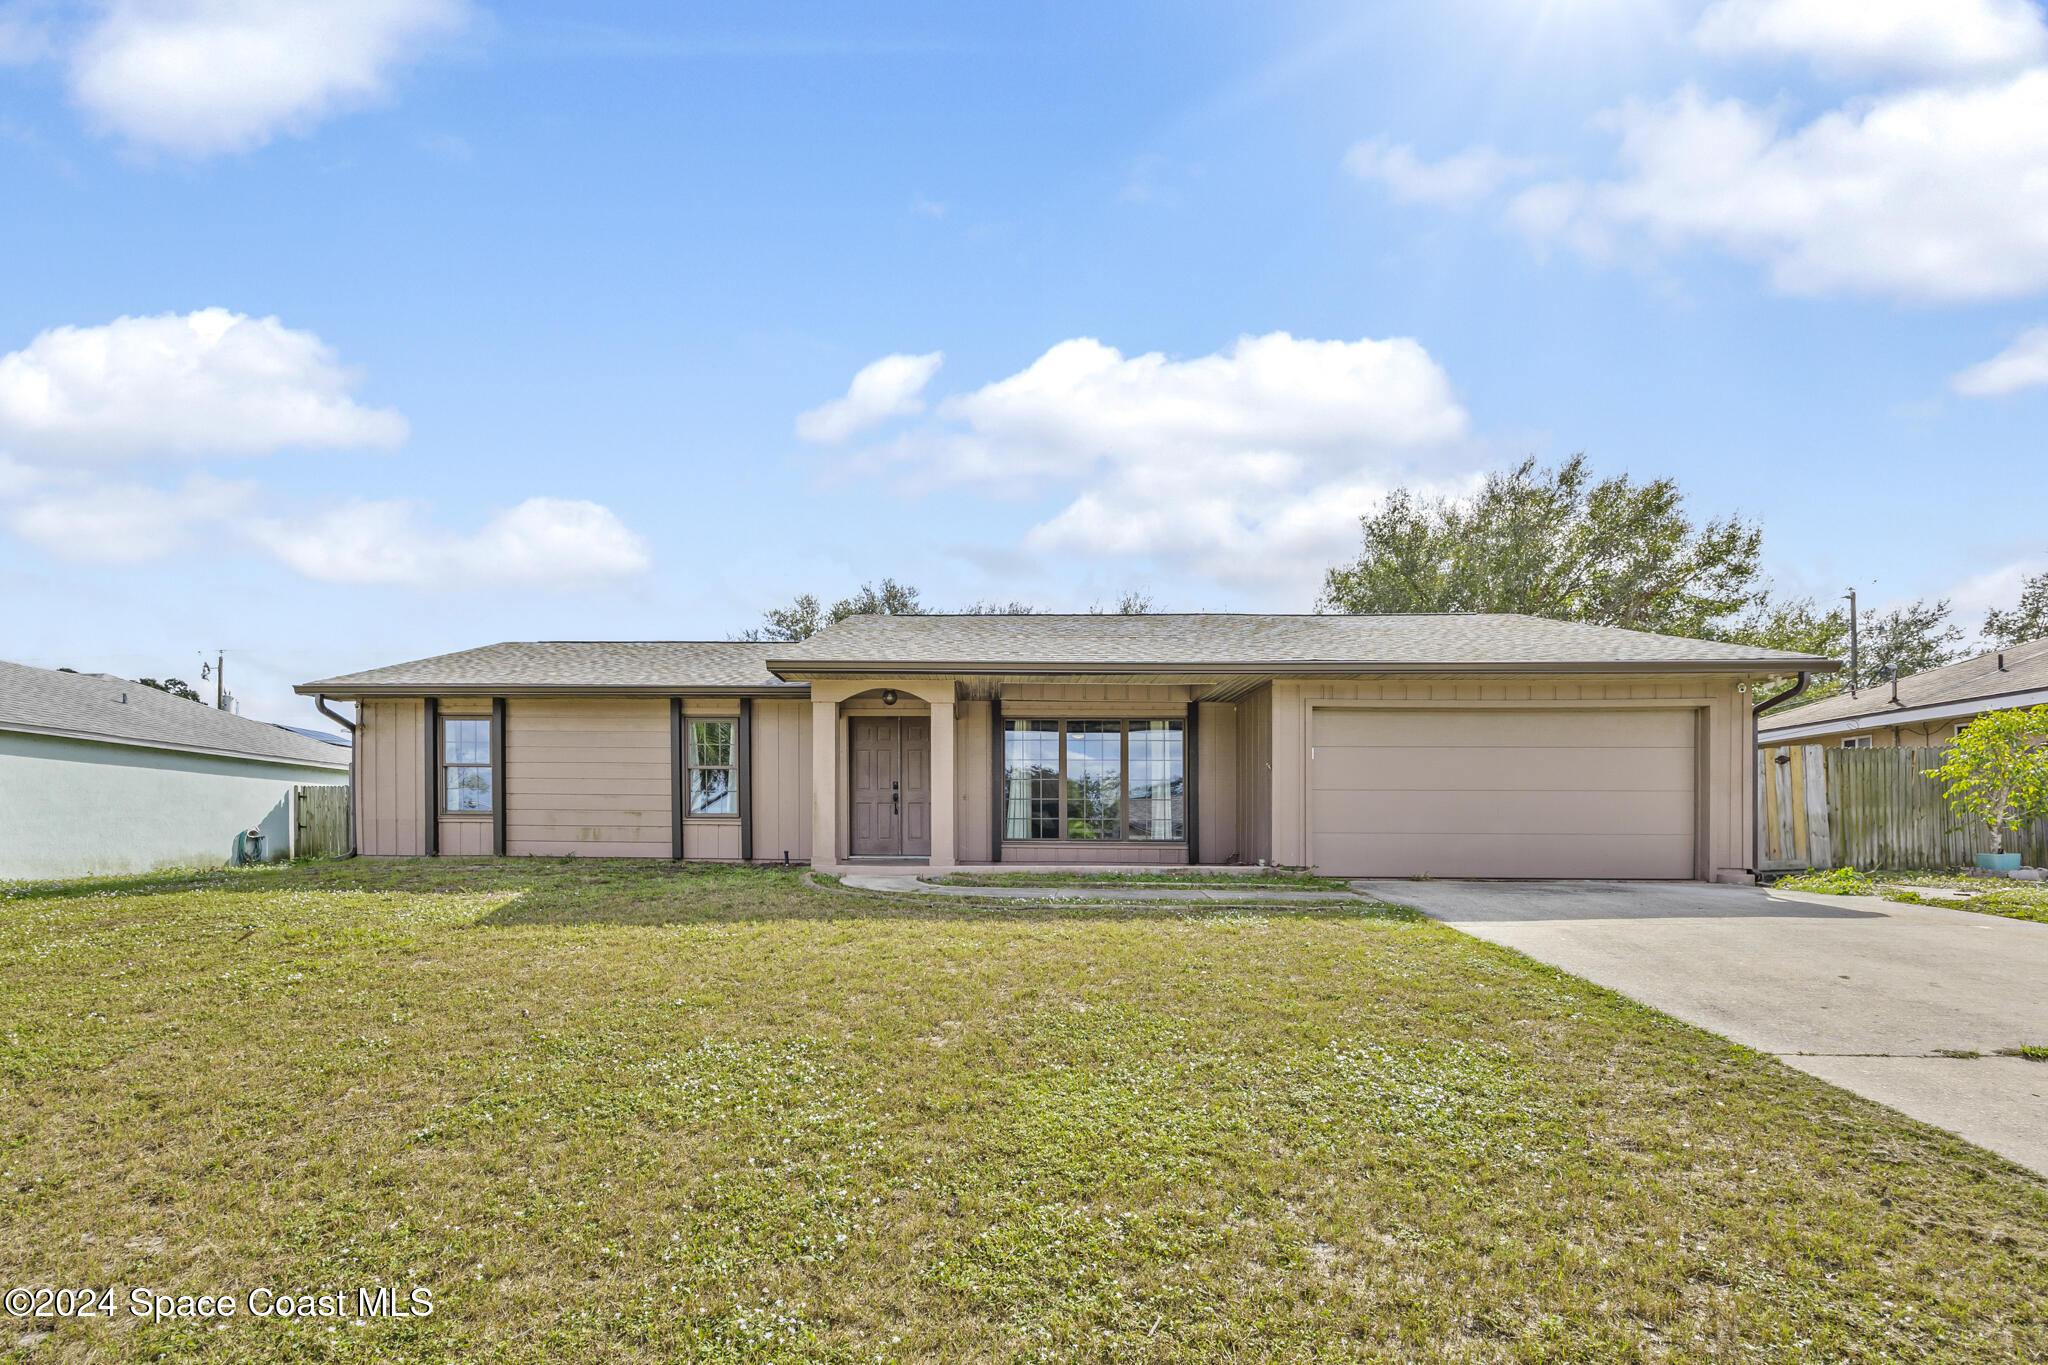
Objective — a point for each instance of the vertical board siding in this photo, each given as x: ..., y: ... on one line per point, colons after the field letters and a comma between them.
x: 465, y: 836
x: 390, y: 740
x: 782, y: 781
x: 1216, y: 790
x: 1871, y: 809
x: 973, y: 780
x: 711, y: 840
x: 589, y: 777
x: 1255, y: 776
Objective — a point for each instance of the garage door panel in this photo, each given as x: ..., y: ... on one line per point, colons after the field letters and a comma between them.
x: 1496, y: 792
x: 1476, y: 728
x: 1619, y: 856
x: 1488, y: 813
x: 1524, y: 769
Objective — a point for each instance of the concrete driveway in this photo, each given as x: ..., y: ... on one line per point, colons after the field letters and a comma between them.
x: 1863, y: 993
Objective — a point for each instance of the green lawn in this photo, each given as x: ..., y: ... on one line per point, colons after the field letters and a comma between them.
x: 1988, y: 895
x: 626, y: 1112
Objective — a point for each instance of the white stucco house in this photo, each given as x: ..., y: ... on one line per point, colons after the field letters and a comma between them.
x: 99, y: 774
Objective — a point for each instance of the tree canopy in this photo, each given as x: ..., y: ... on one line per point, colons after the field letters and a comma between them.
x: 1557, y: 543
x: 1900, y: 642
x: 177, y: 687
x: 2028, y: 619
x: 806, y: 616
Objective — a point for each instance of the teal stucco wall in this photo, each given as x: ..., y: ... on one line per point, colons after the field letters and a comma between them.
x: 73, y: 808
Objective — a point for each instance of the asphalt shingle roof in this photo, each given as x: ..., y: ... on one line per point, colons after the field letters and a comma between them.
x: 90, y: 706
x: 2026, y: 669
x: 1257, y: 641
x: 594, y: 664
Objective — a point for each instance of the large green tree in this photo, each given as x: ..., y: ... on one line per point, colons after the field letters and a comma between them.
x: 1906, y: 640
x: 805, y: 616
x: 1899, y: 642
x: 2028, y: 619
x: 1554, y: 542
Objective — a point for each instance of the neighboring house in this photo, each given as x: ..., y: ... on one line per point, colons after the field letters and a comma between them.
x: 1494, y: 746
x: 99, y: 775
x: 1923, y: 710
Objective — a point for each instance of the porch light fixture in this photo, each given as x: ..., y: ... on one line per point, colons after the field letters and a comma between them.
x: 888, y: 696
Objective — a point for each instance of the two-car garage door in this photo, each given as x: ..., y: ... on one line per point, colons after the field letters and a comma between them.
x: 1456, y: 792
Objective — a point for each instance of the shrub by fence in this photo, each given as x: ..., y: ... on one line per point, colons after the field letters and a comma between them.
x: 322, y: 815
x: 1866, y: 808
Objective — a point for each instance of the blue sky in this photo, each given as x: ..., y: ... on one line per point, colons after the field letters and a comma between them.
x: 336, y: 334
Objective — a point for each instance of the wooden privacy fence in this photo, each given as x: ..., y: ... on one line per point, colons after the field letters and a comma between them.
x: 1866, y: 808
x: 320, y: 817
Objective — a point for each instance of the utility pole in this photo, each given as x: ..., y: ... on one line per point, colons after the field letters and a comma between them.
x: 1852, y: 642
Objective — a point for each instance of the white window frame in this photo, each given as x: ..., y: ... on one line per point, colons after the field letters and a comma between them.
x: 691, y: 767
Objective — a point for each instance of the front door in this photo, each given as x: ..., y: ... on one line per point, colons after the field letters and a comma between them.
x: 892, y: 807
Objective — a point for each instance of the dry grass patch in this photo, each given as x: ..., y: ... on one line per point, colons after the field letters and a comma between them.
x: 628, y: 1112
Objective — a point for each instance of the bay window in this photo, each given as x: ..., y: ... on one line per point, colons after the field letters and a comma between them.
x: 1094, y: 779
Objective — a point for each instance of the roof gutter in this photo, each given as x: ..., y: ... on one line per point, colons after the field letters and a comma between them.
x: 1771, y: 703
x: 320, y: 705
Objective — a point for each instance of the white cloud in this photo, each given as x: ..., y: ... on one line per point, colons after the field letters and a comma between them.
x: 1458, y: 181
x: 192, y: 385
x: 550, y: 544
x: 2022, y: 365
x: 1997, y: 588
x: 1932, y: 37
x: 1250, y: 466
x: 205, y: 76
x: 1934, y: 195
x: 88, y: 521
x: 547, y: 543
x: 888, y: 388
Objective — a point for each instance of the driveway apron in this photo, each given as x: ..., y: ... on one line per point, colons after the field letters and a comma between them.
x: 1889, y: 1001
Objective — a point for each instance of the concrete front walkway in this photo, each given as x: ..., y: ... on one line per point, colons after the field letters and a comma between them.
x: 1181, y: 896
x: 1861, y: 992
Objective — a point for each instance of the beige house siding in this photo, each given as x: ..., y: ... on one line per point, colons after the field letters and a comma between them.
x: 391, y: 778
x: 1255, y: 775
x: 588, y: 776
x: 781, y: 798
x: 974, y: 779
x: 1216, y: 822
x: 591, y: 775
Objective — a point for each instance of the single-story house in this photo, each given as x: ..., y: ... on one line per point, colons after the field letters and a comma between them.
x: 102, y: 775
x: 1452, y: 745
x: 1924, y: 710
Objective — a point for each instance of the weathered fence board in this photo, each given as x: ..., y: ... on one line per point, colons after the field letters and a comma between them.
x: 322, y: 817
x: 1867, y: 808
